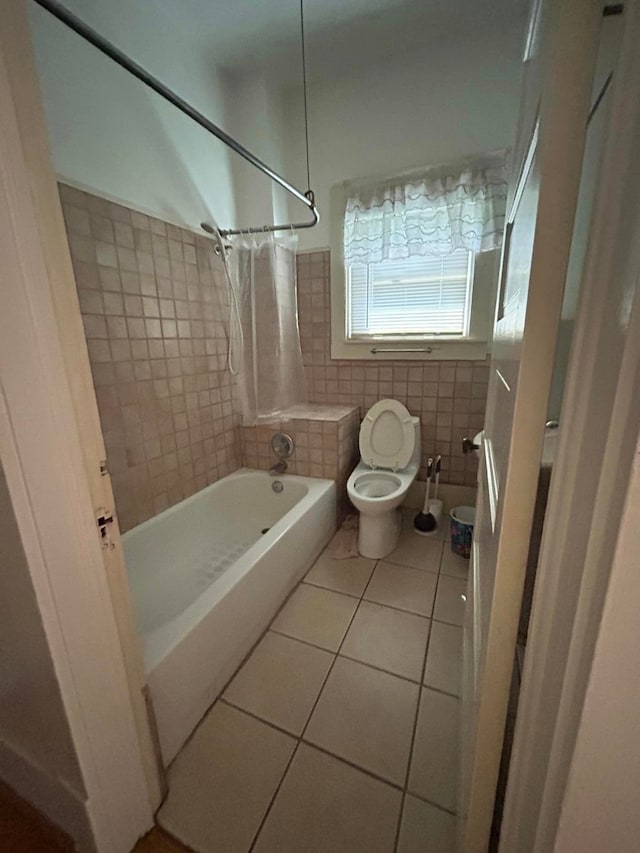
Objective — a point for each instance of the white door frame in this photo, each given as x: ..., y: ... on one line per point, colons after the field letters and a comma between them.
x: 15, y: 44
x: 600, y: 420
x: 524, y: 349
x: 42, y: 458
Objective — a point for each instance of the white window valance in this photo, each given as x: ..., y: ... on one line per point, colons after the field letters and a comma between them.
x: 432, y: 212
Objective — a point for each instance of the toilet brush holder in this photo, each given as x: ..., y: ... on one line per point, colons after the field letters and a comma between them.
x: 435, y: 508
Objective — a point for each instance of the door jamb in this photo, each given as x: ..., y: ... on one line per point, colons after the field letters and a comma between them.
x: 42, y: 458
x: 15, y: 42
x: 573, y: 576
x: 573, y: 33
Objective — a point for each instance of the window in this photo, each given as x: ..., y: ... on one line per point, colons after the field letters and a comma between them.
x: 421, y: 296
x: 428, y: 305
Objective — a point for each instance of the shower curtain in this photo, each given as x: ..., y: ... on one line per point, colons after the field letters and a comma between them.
x: 271, y: 378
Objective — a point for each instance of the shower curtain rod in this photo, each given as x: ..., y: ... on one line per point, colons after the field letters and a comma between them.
x: 78, y: 26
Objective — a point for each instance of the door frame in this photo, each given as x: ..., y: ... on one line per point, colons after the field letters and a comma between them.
x: 586, y: 498
x: 41, y: 448
x: 568, y: 48
x: 15, y: 44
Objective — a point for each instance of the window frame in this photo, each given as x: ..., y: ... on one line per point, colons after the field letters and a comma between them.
x: 473, y: 346
x: 385, y: 336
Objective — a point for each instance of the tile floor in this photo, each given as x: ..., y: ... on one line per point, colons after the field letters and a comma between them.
x: 340, y: 731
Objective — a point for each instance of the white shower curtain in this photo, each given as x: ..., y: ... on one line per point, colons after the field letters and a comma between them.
x: 271, y: 377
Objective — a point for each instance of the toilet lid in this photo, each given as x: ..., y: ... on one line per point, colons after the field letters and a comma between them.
x: 387, y: 436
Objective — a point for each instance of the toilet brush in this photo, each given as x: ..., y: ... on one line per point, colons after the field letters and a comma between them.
x: 425, y: 522
x: 435, y: 505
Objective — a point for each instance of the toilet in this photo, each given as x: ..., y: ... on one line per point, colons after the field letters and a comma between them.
x: 389, y: 462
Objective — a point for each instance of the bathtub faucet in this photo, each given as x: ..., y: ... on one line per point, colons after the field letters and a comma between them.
x: 279, y: 468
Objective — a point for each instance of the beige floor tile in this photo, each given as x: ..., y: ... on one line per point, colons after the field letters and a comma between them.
x: 316, y: 616
x: 222, y: 782
x: 280, y: 681
x: 389, y: 639
x: 444, y: 658
x: 366, y: 716
x: 419, y: 552
x: 450, y: 601
x: 402, y: 587
x: 425, y: 828
x: 456, y: 567
x: 326, y: 806
x: 434, y: 763
x: 349, y: 576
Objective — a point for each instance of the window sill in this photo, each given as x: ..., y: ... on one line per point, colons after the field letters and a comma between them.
x: 441, y: 350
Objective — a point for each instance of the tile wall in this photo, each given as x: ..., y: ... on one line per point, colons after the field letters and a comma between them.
x: 448, y: 396
x: 326, y: 439
x: 154, y: 304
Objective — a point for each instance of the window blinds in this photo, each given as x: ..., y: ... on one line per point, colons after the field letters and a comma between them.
x: 421, y: 295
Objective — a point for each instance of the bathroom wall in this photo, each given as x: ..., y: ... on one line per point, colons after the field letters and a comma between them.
x: 449, y: 397
x: 111, y: 135
x: 448, y: 100
x: 154, y: 302
x: 108, y: 133
x: 430, y: 106
x: 255, y: 119
x: 326, y: 444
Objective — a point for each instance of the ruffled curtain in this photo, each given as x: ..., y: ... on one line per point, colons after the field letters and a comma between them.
x: 434, y: 212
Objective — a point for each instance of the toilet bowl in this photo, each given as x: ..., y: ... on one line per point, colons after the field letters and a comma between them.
x: 390, y: 459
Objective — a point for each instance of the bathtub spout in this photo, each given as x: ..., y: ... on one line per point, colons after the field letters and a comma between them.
x: 279, y: 468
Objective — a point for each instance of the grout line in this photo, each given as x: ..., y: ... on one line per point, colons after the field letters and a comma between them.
x: 417, y: 713
x: 400, y: 817
x: 301, y: 738
x: 382, y: 669
x: 313, y: 707
x: 406, y: 566
x: 362, y: 662
x: 368, y: 583
x: 330, y: 589
x: 430, y: 803
x: 395, y: 785
x: 400, y: 609
x: 273, y: 798
x: 442, y: 692
x: 330, y: 670
x: 450, y: 624
x: 327, y: 589
x: 259, y: 718
x: 298, y: 737
x: 230, y: 679
x: 418, y: 704
x: 305, y: 642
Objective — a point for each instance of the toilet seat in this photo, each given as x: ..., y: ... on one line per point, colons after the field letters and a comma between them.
x: 387, y: 436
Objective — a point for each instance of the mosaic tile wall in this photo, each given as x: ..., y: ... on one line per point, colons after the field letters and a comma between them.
x: 154, y: 303
x: 449, y: 397
x: 326, y: 439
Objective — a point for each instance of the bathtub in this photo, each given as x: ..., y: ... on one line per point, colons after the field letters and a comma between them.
x: 207, y: 576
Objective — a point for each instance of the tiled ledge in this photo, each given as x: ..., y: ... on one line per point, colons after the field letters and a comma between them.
x: 326, y: 439
x: 319, y: 412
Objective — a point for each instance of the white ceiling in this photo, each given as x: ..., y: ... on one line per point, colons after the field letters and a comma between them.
x: 342, y: 35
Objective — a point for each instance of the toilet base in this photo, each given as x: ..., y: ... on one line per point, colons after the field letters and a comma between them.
x: 378, y: 534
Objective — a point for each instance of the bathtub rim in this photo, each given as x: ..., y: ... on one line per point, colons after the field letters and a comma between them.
x: 157, y: 644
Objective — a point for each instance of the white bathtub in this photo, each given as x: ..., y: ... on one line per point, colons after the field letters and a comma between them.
x: 206, y: 581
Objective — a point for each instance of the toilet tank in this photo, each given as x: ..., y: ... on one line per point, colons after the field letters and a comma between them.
x: 416, y: 456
